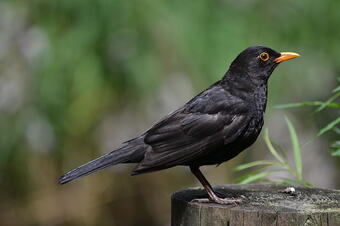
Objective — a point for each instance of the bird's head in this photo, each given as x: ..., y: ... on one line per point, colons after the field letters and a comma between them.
x: 258, y: 62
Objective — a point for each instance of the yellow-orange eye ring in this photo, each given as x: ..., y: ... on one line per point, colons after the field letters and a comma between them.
x: 264, y: 56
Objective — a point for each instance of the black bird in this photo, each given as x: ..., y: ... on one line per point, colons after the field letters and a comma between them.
x: 212, y: 128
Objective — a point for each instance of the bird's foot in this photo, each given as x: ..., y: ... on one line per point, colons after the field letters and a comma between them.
x: 222, y: 201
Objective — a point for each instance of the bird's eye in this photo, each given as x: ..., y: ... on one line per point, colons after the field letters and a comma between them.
x: 264, y: 56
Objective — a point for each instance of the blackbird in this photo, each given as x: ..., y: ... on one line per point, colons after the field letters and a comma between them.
x: 213, y: 127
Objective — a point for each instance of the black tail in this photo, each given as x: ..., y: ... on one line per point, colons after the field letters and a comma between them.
x: 131, y: 151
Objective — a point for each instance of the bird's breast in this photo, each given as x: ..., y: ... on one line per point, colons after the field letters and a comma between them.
x: 260, y: 101
x: 254, y: 127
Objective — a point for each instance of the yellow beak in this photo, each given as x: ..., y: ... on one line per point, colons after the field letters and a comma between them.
x: 286, y: 56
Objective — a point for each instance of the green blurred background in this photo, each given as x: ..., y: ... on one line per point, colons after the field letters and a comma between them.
x: 79, y: 77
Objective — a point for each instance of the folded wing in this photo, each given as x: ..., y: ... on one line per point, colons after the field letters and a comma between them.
x: 182, y: 138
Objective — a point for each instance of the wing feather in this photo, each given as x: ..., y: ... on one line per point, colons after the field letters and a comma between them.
x: 203, y: 125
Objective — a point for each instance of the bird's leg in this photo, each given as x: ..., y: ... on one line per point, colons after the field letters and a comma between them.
x: 211, y: 194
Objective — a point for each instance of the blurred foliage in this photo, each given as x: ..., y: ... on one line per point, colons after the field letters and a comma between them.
x: 281, y: 164
x: 332, y: 103
x: 79, y: 77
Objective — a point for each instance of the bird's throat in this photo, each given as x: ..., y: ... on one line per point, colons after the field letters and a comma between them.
x: 252, y: 91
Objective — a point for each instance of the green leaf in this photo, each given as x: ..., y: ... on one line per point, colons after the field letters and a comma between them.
x: 336, y: 152
x: 249, y: 174
x: 304, y: 104
x: 256, y: 163
x: 328, y: 127
x: 337, y: 130
x: 330, y: 100
x: 280, y: 150
x: 271, y: 148
x: 337, y: 89
x: 257, y: 176
x: 336, y: 144
x: 296, y: 148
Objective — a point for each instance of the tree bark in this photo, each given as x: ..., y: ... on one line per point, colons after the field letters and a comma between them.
x: 263, y: 204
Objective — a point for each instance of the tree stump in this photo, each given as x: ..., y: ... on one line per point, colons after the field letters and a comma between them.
x: 263, y: 204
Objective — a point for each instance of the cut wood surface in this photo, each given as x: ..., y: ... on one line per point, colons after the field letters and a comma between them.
x: 263, y: 204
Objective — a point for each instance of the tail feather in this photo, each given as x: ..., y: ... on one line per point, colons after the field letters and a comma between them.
x: 132, y: 151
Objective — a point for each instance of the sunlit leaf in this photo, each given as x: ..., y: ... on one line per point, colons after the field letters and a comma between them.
x: 295, y: 148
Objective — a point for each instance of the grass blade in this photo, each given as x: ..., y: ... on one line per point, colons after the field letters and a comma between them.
x: 256, y: 177
x: 330, y: 100
x: 296, y: 148
x: 272, y: 149
x: 249, y: 174
x: 304, y: 104
x: 329, y: 126
x: 256, y: 163
x: 280, y: 150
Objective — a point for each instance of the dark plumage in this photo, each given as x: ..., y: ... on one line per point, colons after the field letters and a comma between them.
x: 212, y: 128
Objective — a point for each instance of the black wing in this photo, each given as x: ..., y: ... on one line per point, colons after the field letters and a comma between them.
x: 212, y: 119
